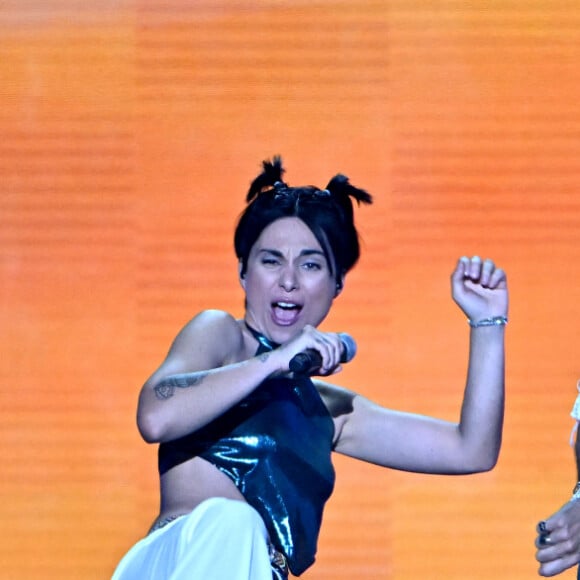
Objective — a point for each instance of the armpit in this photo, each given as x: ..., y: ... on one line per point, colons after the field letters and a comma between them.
x: 338, y: 401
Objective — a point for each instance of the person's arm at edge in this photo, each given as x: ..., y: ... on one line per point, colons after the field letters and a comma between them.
x: 558, y: 537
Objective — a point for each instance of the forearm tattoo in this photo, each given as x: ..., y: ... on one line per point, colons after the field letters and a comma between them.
x: 166, y: 388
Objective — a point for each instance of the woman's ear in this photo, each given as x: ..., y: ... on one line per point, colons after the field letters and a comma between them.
x: 339, y: 286
x: 241, y: 274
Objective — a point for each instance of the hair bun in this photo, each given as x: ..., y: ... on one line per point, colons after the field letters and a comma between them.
x: 272, y: 172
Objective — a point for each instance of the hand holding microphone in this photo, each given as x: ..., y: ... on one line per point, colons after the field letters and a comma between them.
x: 309, y: 361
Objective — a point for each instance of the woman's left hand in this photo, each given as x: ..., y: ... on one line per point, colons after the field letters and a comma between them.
x: 479, y: 288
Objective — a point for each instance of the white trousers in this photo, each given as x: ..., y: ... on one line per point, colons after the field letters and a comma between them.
x: 221, y: 539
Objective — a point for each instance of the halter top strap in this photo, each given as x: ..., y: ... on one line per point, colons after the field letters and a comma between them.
x: 266, y: 345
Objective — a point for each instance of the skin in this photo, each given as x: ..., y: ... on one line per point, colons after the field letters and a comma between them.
x: 558, y: 537
x: 211, y: 366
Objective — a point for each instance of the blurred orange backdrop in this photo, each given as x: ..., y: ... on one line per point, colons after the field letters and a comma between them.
x: 130, y: 132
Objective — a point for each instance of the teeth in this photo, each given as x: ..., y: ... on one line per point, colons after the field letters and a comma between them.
x: 287, y: 305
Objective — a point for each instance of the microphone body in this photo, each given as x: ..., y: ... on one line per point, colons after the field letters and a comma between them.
x: 309, y: 361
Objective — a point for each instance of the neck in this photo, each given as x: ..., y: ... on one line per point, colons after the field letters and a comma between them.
x: 264, y: 341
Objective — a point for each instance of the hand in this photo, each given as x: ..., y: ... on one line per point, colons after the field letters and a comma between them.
x: 558, y: 540
x: 479, y: 288
x: 327, y: 344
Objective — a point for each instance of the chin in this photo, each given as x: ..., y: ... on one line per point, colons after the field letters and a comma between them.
x: 282, y: 334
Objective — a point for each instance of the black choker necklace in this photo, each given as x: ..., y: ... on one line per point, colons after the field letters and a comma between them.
x: 265, y: 343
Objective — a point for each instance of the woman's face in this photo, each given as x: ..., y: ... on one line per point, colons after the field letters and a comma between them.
x: 288, y: 282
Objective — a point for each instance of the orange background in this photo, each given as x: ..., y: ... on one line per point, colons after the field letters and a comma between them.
x: 129, y: 135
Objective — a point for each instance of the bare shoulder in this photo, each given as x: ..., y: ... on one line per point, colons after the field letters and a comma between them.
x: 212, y: 338
x: 212, y: 322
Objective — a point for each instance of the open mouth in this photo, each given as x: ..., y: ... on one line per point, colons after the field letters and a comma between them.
x: 285, y: 313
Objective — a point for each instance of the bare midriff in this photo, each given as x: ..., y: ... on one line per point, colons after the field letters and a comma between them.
x: 187, y: 485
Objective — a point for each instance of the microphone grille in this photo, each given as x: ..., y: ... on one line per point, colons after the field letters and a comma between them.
x: 349, y: 346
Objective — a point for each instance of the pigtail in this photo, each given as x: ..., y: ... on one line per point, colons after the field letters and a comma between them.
x: 340, y: 187
x: 270, y: 177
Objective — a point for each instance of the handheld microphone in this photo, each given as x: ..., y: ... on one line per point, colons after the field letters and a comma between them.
x: 309, y: 361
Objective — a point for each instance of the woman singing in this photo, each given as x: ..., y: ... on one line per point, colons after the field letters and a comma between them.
x: 245, y: 444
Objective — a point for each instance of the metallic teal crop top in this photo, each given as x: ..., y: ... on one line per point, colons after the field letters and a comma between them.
x: 276, y: 447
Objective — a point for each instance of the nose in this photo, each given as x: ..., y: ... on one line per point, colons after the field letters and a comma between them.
x: 288, y: 279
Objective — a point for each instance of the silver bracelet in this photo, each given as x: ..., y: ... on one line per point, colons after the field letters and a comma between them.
x: 492, y: 321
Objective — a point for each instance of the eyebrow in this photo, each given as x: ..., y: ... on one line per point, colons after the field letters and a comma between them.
x: 303, y: 253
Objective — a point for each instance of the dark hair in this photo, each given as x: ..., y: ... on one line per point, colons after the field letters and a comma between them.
x: 327, y: 212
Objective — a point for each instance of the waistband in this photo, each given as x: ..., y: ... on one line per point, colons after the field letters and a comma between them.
x: 278, y: 560
x: 162, y: 523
